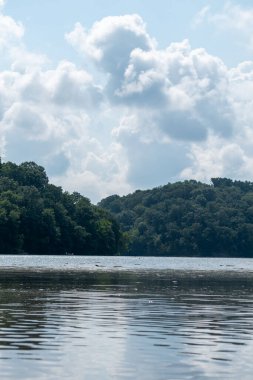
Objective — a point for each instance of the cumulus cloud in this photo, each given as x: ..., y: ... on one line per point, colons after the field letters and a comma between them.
x: 184, y: 91
x: 14, y: 54
x: 145, y: 117
x: 111, y: 40
x: 218, y: 158
x: 109, y: 44
x: 177, y: 102
x: 178, y: 83
x: 152, y: 157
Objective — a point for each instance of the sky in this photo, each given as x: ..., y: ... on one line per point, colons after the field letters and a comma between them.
x: 113, y: 96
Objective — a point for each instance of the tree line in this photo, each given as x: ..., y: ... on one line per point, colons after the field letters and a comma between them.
x: 37, y: 217
x: 187, y: 218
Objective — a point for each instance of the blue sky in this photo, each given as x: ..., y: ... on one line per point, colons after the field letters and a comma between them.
x: 111, y: 96
x: 167, y: 20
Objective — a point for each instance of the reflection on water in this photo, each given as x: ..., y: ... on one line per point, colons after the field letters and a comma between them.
x: 125, y: 325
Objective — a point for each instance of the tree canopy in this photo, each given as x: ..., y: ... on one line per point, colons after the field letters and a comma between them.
x: 188, y: 218
x: 37, y: 217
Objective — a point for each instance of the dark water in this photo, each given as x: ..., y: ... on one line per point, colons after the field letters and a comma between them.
x: 117, y: 318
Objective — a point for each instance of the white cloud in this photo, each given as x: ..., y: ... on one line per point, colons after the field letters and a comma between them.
x: 218, y: 158
x: 10, y: 31
x: 111, y: 40
x: 234, y: 16
x: 153, y: 157
x: 201, y: 16
x: 184, y: 91
x: 177, y: 102
x: 231, y: 18
x: 157, y: 115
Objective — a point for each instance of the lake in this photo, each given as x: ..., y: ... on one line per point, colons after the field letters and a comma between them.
x: 119, y: 318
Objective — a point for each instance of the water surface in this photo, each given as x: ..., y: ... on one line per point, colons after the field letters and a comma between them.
x: 125, y: 318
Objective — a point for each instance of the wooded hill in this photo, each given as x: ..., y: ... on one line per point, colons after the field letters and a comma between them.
x: 39, y: 218
x: 187, y: 218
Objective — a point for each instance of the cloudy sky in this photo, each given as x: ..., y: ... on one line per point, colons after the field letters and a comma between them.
x: 113, y: 96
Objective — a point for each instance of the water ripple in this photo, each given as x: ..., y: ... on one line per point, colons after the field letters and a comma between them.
x: 128, y: 326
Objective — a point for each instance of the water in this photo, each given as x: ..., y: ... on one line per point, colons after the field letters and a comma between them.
x: 125, y: 318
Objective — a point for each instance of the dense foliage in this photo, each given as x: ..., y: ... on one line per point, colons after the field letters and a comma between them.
x: 39, y: 218
x: 188, y: 218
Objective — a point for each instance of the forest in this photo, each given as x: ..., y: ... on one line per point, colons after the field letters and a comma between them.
x: 37, y: 217
x: 187, y: 218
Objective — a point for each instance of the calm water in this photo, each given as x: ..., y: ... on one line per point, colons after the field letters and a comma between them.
x: 118, y: 318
